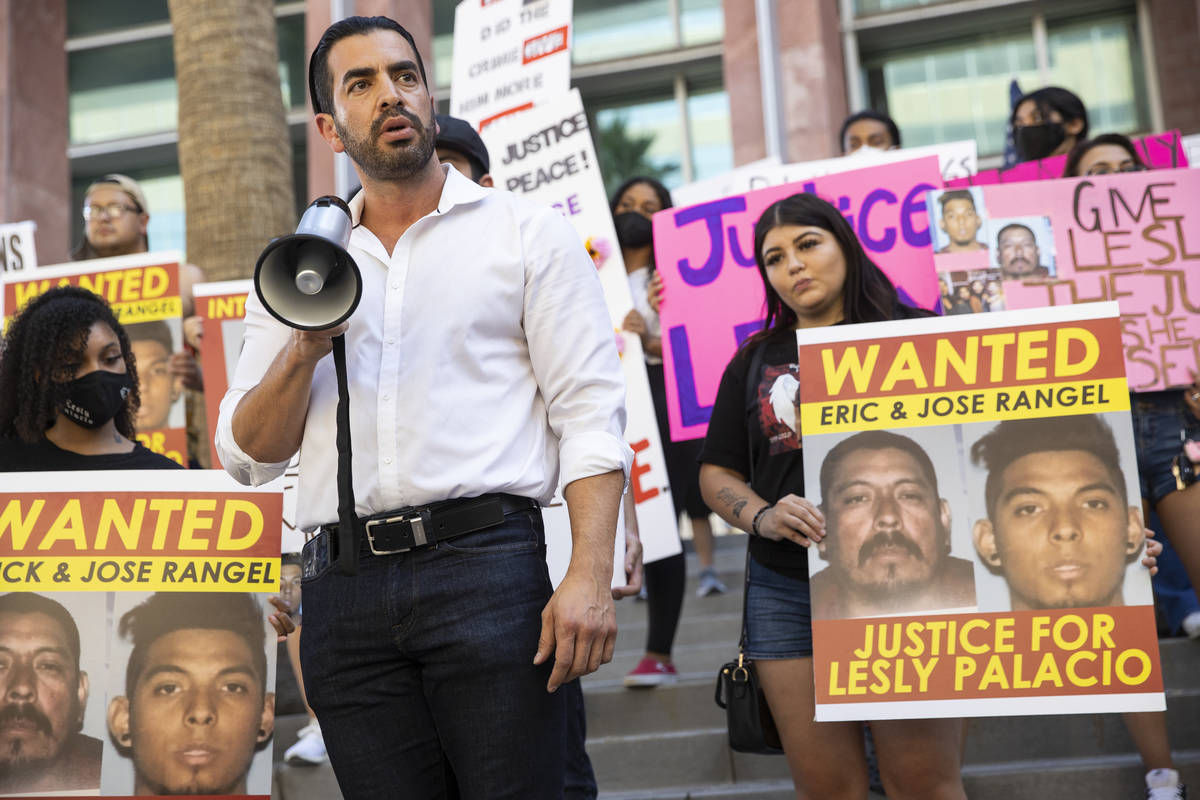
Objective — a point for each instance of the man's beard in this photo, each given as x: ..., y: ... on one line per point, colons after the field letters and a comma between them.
x: 19, y: 756
x: 388, y: 162
x: 892, y: 587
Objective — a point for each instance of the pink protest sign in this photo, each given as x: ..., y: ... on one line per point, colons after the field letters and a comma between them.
x: 1158, y: 151
x: 713, y: 293
x: 1132, y: 237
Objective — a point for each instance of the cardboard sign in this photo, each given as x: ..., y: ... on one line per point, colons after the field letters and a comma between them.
x: 713, y: 295
x: 955, y: 160
x: 562, y: 172
x: 509, y: 55
x: 983, y: 529
x: 17, y: 250
x: 1159, y: 151
x: 143, y: 291
x: 1133, y: 238
x: 180, y: 564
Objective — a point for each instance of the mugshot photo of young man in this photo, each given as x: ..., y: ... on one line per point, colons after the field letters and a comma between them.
x: 195, y: 709
x: 1060, y: 527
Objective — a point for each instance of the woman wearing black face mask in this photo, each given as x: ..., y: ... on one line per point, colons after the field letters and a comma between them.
x: 632, y: 206
x: 68, y: 389
x: 1048, y: 122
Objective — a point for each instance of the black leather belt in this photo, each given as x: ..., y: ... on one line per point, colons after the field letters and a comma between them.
x: 406, y: 529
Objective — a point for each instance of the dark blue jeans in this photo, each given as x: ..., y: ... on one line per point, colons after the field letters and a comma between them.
x: 426, y: 658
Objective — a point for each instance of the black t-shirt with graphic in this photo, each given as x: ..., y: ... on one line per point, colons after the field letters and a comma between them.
x: 44, y: 455
x: 758, y: 435
x: 760, y: 439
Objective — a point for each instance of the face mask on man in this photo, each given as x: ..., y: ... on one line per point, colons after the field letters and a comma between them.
x: 633, y: 229
x: 95, y: 398
x: 1038, y: 141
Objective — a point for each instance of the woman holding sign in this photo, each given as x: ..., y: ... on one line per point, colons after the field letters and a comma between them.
x: 815, y: 273
x: 69, y: 389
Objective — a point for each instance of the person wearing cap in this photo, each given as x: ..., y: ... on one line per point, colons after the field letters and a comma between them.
x: 460, y: 146
x: 116, y: 218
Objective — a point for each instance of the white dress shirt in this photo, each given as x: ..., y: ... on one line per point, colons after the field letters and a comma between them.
x: 481, y: 359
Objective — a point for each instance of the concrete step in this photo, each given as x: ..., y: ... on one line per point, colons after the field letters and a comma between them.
x: 686, y: 657
x: 757, y: 790
x: 707, y: 629
x: 613, y: 710
x: 1097, y: 778
x: 633, y: 610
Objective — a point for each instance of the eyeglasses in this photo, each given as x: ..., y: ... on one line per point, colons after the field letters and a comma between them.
x: 111, y: 210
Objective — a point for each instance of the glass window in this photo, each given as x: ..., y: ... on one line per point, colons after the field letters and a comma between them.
x: 606, y: 29
x: 122, y: 90
x: 712, y: 138
x: 862, y: 7
x: 701, y: 21
x: 640, y: 137
x: 443, y: 43
x: 956, y: 91
x: 1101, y: 62
x: 126, y: 90
x: 87, y: 17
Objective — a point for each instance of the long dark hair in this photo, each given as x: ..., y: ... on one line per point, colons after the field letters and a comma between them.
x: 1071, y: 169
x: 867, y: 295
x: 43, y: 348
x: 664, y: 194
x: 1055, y: 98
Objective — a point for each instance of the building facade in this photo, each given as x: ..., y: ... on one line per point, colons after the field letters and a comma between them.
x: 88, y: 88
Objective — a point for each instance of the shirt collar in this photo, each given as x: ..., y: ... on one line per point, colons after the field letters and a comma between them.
x: 457, y: 190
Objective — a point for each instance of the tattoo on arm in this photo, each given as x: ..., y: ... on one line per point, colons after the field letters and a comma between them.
x: 732, y: 499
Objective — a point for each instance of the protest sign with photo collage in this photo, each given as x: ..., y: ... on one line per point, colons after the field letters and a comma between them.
x: 548, y: 156
x: 1131, y: 237
x: 983, y: 528
x: 162, y: 578
x: 713, y: 295
x: 143, y: 291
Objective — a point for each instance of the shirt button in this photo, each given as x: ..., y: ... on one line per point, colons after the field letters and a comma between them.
x: 387, y: 397
x: 395, y: 284
x: 387, y: 460
x: 390, y: 340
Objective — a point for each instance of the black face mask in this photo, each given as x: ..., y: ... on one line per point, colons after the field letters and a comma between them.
x: 95, y: 398
x: 1038, y: 141
x: 633, y: 230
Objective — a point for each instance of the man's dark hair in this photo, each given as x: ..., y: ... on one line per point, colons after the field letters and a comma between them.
x: 1017, y: 438
x: 1071, y: 169
x: 154, y: 331
x: 874, y: 440
x: 43, y: 348
x: 956, y: 194
x: 1055, y: 98
x: 31, y: 603
x: 320, y: 82
x: 1014, y: 226
x: 167, y: 612
x: 887, y: 121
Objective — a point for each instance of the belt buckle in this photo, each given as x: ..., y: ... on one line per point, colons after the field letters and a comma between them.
x: 416, y: 520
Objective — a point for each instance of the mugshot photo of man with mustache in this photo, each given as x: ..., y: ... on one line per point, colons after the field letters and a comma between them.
x: 43, y: 695
x: 887, y: 533
x: 1023, y: 248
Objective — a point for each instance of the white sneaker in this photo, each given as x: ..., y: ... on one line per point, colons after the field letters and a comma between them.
x: 710, y: 583
x: 1163, y: 784
x: 309, y: 748
x: 1191, y: 625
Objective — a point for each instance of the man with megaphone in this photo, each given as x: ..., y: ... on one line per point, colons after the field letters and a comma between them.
x: 476, y: 361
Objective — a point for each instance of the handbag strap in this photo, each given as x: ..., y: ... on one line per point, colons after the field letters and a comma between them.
x: 751, y: 413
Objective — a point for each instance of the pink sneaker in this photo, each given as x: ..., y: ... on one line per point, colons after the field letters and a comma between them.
x: 650, y: 673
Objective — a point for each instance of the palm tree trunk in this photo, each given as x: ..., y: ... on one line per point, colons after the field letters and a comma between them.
x: 235, y: 156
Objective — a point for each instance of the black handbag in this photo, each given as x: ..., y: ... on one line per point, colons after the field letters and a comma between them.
x: 751, y: 726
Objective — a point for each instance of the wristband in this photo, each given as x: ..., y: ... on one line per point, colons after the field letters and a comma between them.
x: 758, y: 516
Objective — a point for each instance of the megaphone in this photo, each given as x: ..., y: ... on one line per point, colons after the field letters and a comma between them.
x: 308, y: 280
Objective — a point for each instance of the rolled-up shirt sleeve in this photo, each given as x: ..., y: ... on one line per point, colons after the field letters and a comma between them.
x: 264, y: 338
x: 573, y: 351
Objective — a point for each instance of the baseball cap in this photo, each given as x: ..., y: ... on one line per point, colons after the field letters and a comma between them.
x: 458, y: 134
x: 127, y: 184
